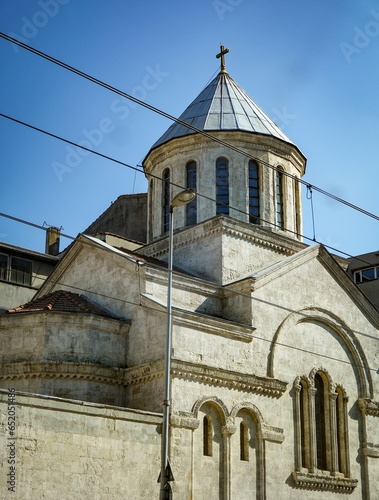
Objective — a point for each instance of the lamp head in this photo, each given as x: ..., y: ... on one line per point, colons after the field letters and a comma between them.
x: 183, y: 198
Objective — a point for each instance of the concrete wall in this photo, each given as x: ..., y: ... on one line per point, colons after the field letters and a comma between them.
x: 66, y: 449
x: 127, y: 216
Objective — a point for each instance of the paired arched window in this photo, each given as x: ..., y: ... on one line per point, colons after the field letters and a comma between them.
x: 222, y: 186
x: 321, y: 426
x: 279, y: 199
x: 254, y: 212
x: 191, y: 183
x: 166, y: 200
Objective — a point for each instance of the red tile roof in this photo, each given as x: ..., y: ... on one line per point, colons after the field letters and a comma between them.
x: 60, y: 301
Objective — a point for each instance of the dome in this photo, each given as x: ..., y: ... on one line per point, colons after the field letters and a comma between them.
x: 223, y: 105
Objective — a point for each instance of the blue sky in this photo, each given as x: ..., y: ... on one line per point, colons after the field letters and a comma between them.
x: 312, y: 67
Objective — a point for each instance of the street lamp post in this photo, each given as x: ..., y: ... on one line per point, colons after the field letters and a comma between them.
x: 182, y: 198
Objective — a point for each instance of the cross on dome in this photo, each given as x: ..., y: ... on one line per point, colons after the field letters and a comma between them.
x: 221, y: 55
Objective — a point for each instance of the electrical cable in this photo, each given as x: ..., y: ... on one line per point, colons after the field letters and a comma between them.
x: 177, y: 120
x: 137, y: 169
x: 254, y: 336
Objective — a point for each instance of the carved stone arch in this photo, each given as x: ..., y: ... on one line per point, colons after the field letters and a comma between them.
x: 347, y: 336
x: 217, y: 154
x: 215, y: 402
x: 279, y: 166
x: 192, y: 157
x: 342, y: 389
x: 249, y: 407
x: 324, y: 375
x: 297, y: 381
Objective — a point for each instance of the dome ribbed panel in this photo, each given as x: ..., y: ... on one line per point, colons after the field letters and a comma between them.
x: 223, y: 105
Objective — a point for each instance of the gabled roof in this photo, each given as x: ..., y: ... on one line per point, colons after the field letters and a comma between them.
x: 223, y: 105
x: 60, y: 301
x: 268, y: 274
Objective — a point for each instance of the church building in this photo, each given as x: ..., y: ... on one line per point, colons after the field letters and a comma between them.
x: 274, y: 349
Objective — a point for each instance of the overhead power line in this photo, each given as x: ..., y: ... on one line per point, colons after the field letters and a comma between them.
x: 181, y: 122
x: 32, y: 224
x: 199, y: 194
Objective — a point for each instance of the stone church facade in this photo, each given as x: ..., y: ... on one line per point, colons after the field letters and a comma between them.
x: 274, y: 348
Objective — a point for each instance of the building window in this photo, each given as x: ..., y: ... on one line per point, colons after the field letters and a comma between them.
x: 304, y: 424
x: 365, y: 275
x: 321, y: 426
x: 16, y: 270
x: 222, y: 186
x: 166, y: 200
x: 191, y: 208
x: 279, y: 200
x: 244, y: 441
x: 254, y: 215
x: 320, y: 417
x: 3, y: 267
x: 207, y: 436
x: 321, y: 434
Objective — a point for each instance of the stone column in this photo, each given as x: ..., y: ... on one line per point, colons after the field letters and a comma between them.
x: 227, y: 430
x: 298, y: 454
x: 332, y: 431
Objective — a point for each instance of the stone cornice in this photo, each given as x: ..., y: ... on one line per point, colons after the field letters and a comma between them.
x: 370, y: 450
x: 204, y: 322
x: 60, y: 370
x: 249, y: 142
x: 143, y: 373
x: 369, y: 407
x: 207, y: 375
x: 234, y: 380
x: 273, y: 434
x: 323, y: 482
x: 216, y: 326
x: 220, y: 225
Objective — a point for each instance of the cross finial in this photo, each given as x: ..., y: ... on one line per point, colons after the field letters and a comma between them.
x: 222, y: 53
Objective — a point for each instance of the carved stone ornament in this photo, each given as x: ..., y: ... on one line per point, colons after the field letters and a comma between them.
x: 324, y: 482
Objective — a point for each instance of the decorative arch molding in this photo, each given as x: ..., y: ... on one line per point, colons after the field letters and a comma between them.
x: 192, y: 157
x: 266, y: 432
x: 216, y: 403
x: 221, y: 154
x: 326, y: 318
x: 251, y: 408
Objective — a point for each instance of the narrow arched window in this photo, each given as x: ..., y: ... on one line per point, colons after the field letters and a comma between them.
x: 304, y: 425
x: 207, y: 435
x: 341, y: 420
x: 166, y: 201
x: 320, y: 422
x: 254, y: 212
x: 222, y: 186
x: 279, y: 199
x: 191, y: 183
x: 244, y: 441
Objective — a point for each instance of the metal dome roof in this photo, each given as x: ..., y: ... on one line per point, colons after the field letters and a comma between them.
x: 223, y: 105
